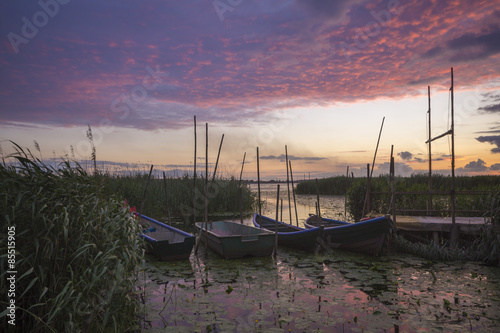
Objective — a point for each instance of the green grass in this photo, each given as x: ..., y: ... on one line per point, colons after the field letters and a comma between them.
x: 76, y: 249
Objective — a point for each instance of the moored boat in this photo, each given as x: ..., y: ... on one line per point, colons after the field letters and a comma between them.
x: 366, y: 237
x: 289, y: 235
x: 164, y: 241
x: 234, y: 240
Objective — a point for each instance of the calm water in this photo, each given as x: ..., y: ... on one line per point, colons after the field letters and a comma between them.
x: 331, y: 206
x: 306, y: 292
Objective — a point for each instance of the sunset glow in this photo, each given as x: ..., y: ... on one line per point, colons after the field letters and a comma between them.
x: 316, y: 76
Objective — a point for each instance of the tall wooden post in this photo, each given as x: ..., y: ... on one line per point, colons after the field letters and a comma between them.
x: 194, y: 175
x: 288, y: 184
x: 294, y: 199
x: 430, y: 152
x: 454, y: 232
x: 258, y: 189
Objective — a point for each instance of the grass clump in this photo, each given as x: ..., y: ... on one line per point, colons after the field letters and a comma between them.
x: 76, y: 249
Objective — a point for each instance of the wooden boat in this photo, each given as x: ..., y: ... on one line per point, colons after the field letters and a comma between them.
x: 366, y: 237
x: 289, y: 235
x: 164, y: 241
x: 234, y: 240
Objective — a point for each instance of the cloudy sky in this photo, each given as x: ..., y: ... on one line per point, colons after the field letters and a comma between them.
x: 317, y: 76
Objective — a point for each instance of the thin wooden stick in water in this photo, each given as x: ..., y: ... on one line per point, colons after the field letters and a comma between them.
x: 293, y: 191
x: 276, y: 222
x: 317, y: 196
x: 194, y: 176
x: 144, y: 195
x: 258, y: 188
x: 166, y: 197
x: 217, y: 161
x: 206, y: 188
x: 240, y: 189
x: 145, y: 190
x: 288, y: 184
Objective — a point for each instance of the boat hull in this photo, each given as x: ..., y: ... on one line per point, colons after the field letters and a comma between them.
x: 233, y: 240
x: 366, y: 237
x: 166, y: 242
x: 288, y: 235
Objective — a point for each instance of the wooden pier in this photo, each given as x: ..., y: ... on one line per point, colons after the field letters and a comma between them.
x: 420, y: 226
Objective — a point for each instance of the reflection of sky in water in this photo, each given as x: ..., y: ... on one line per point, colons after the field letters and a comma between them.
x: 342, y: 292
x: 332, y: 206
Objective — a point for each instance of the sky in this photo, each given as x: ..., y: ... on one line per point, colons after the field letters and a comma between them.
x: 313, y: 79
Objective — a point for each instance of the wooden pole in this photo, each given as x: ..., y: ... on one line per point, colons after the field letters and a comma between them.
x: 288, y: 185
x: 217, y: 161
x: 194, y: 175
x: 391, y: 175
x: 258, y: 188
x: 240, y: 190
x: 430, y: 152
x: 345, y: 196
x: 276, y: 222
x: 206, y: 188
x: 145, y: 190
x: 376, y: 149
x: 454, y: 232
x: 166, y: 197
x: 281, y: 210
x: 293, y: 191
x: 367, y: 198
x: 366, y: 204
x: 317, y: 197
x: 242, y: 165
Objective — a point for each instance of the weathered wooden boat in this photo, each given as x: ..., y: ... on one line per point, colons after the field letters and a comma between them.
x: 234, y: 240
x: 164, y: 241
x: 289, y: 235
x: 366, y: 237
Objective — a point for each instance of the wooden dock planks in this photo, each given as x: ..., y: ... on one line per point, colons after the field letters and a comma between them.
x: 466, y: 225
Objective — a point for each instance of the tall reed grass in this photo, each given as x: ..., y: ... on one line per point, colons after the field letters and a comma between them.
x: 223, y: 196
x: 77, y: 250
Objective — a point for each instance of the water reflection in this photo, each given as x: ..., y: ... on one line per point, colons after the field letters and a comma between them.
x: 305, y: 292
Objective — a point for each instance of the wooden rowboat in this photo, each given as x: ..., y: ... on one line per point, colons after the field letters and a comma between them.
x: 366, y: 237
x: 164, y: 241
x: 289, y: 235
x: 234, y: 240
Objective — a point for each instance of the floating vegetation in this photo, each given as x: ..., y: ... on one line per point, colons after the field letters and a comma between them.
x: 320, y: 293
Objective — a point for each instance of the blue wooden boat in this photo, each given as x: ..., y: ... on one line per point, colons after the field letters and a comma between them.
x: 234, y: 240
x: 289, y: 235
x: 366, y: 237
x: 164, y: 241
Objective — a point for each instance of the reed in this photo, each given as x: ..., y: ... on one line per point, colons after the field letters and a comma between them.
x: 223, y: 195
x: 77, y: 250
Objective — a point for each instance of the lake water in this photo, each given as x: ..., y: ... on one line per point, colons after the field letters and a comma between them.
x: 318, y: 292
